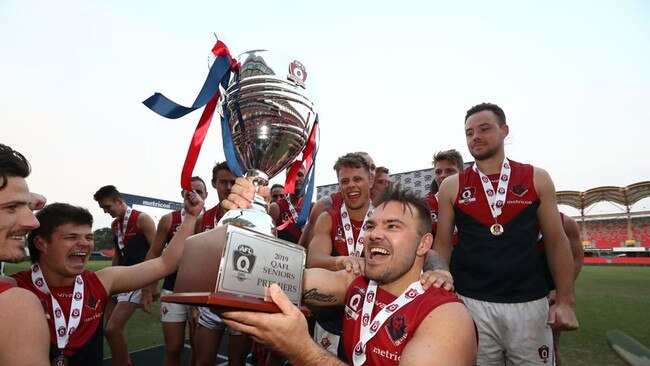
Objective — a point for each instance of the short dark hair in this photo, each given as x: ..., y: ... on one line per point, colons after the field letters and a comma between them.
x: 107, y: 192
x: 196, y: 178
x: 219, y: 166
x: 452, y: 156
x: 381, y: 169
x: 351, y: 160
x: 12, y: 164
x: 409, y: 200
x: 276, y: 185
x: 51, y: 217
x: 501, y: 116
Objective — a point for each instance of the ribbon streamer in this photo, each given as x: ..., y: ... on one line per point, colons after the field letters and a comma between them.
x: 208, y: 96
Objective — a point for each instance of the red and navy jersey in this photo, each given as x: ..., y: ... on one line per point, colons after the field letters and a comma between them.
x: 170, y: 281
x: 85, y: 346
x: 339, y: 245
x: 386, y: 347
x: 210, y: 217
x: 432, y: 202
x: 504, y: 268
x: 290, y: 233
x: 135, y: 244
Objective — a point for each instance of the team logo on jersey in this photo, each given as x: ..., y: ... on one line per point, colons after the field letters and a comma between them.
x: 434, y: 216
x: 325, y: 342
x: 467, y: 195
x: 490, y: 192
x: 164, y: 310
x: 39, y: 282
x: 243, y: 261
x: 75, y: 313
x: 78, y: 296
x: 396, y: 329
x: 92, y: 302
x: 353, y: 305
x: 339, y: 233
x: 58, y: 313
x: 61, y: 331
x: 543, y: 352
x: 518, y: 190
x: 71, y: 330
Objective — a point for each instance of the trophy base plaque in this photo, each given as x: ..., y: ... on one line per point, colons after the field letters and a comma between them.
x: 231, y: 267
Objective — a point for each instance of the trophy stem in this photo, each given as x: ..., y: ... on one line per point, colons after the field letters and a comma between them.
x: 259, y: 179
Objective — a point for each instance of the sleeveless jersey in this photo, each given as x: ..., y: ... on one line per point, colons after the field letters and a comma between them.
x: 432, y: 202
x: 135, y: 244
x: 170, y: 281
x: 330, y: 317
x: 337, y: 201
x: 386, y: 347
x: 542, y: 256
x: 290, y: 233
x: 85, y: 347
x: 210, y: 217
x: 505, y: 268
x: 339, y: 245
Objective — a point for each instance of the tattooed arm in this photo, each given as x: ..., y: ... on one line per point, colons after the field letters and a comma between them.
x: 325, y: 288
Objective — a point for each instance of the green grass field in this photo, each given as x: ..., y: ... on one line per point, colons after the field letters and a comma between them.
x: 606, y: 298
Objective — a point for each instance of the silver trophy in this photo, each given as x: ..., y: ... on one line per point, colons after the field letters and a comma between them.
x: 270, y: 120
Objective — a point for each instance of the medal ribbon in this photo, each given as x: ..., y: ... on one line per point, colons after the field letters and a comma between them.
x: 369, y: 328
x: 497, y: 200
x: 354, y: 249
x: 63, y: 331
x: 121, y: 229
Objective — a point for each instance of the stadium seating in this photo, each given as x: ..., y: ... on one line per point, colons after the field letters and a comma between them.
x: 610, y: 233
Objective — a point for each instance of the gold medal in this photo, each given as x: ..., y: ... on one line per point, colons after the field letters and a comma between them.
x: 60, y: 360
x: 496, y: 229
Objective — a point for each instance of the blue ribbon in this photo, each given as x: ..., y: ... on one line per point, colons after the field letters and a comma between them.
x: 167, y: 108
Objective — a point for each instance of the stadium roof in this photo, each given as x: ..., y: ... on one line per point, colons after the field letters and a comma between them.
x: 625, y: 196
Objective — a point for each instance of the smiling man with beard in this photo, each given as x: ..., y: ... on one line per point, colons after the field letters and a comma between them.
x: 389, y: 317
x: 75, y: 298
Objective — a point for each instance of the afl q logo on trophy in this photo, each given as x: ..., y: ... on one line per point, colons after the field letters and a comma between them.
x: 243, y: 261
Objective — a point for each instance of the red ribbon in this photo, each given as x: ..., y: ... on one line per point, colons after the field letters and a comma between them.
x: 202, y: 127
x: 308, y: 158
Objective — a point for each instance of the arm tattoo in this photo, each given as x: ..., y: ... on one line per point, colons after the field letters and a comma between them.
x: 435, y: 261
x: 314, y: 295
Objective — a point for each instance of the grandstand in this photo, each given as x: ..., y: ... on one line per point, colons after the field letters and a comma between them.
x: 621, y: 237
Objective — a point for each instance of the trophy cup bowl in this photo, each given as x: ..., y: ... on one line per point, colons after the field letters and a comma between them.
x: 270, y: 119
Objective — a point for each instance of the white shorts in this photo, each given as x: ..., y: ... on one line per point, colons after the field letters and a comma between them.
x: 211, y: 321
x: 173, y: 313
x: 327, y: 340
x: 512, y: 333
x: 131, y: 296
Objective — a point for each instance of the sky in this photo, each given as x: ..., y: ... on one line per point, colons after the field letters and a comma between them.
x: 391, y: 78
